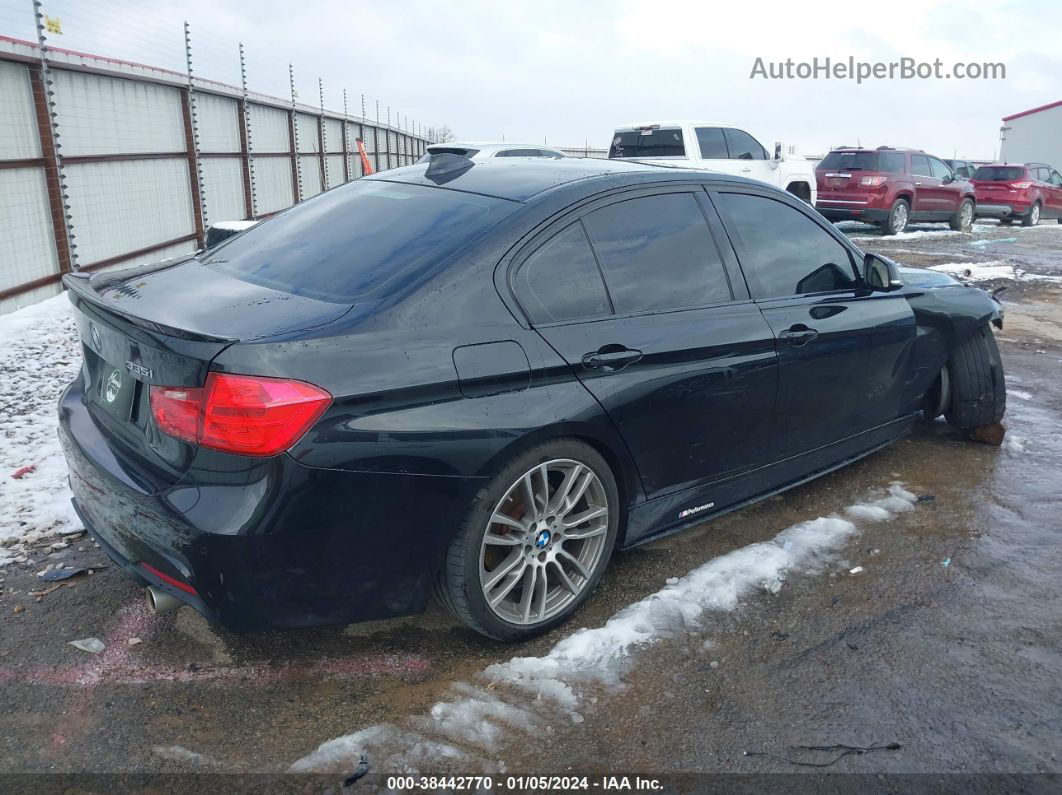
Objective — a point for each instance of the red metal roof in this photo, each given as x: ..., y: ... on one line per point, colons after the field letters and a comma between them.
x: 1033, y: 110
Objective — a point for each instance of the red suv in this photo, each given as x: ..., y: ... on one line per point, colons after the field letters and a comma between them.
x: 1026, y: 192
x: 890, y: 187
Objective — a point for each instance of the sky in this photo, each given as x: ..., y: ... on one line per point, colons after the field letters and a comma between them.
x: 568, y: 73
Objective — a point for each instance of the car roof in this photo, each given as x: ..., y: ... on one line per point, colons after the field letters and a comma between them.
x: 485, y: 145
x: 521, y: 179
x: 677, y: 123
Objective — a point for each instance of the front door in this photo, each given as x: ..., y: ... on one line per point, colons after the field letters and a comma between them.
x: 683, y: 364
x: 842, y: 350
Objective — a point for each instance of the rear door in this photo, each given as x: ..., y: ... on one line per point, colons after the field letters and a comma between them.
x: 637, y: 296
x: 843, y: 351
x: 927, y: 200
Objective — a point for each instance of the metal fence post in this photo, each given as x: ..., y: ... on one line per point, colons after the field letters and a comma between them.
x: 376, y: 137
x: 47, y: 129
x: 293, y: 136
x: 346, y: 140
x: 322, y: 137
x: 250, y: 197
x: 191, y: 145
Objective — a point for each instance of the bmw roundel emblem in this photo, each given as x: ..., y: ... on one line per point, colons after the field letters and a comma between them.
x: 542, y: 539
x: 94, y: 332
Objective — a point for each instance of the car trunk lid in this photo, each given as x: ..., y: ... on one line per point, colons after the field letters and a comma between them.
x: 163, y: 326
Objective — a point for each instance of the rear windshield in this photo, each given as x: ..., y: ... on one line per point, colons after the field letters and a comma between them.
x: 850, y: 161
x: 999, y: 173
x: 359, y: 241
x: 647, y: 144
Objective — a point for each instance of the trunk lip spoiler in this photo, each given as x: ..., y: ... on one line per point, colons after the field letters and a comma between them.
x: 79, y: 284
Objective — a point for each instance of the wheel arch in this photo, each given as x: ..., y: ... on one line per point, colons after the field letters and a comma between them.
x: 607, y: 443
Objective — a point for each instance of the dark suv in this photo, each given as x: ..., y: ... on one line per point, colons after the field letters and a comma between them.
x: 1018, y: 192
x: 891, y: 187
x: 480, y: 378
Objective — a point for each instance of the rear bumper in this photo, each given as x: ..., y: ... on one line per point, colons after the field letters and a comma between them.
x: 832, y: 212
x: 266, y: 544
x: 1000, y: 210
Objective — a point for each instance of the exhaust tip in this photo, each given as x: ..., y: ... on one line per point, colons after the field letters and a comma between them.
x: 158, y: 601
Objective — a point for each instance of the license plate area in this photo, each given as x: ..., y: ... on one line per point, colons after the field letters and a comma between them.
x: 113, y: 388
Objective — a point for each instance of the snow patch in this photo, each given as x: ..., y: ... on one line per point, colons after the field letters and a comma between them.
x: 976, y: 271
x: 483, y: 718
x: 41, y: 354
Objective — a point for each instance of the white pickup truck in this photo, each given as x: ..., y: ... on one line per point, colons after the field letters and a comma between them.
x: 710, y: 146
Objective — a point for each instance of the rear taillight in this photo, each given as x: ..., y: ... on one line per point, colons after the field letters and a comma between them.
x: 1020, y: 185
x: 872, y: 182
x: 244, y: 414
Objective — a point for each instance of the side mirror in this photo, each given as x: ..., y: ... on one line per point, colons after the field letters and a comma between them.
x: 778, y: 150
x: 948, y: 179
x: 881, y: 273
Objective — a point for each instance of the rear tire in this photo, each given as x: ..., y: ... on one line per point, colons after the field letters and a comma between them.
x: 963, y: 219
x: 1031, y: 218
x: 978, y: 387
x: 536, y: 548
x: 1006, y: 221
x: 899, y: 215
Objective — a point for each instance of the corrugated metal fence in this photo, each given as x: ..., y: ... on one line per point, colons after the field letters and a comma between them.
x: 105, y: 161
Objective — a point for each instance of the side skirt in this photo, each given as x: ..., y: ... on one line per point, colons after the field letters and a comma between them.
x: 656, y: 518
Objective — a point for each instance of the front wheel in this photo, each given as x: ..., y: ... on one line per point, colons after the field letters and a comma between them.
x: 962, y: 221
x: 535, y: 543
x: 898, y: 218
x: 1032, y: 218
x: 978, y: 389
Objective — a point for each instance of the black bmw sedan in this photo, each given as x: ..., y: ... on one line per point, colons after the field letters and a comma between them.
x: 479, y: 379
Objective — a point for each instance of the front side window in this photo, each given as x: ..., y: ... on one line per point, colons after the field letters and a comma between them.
x: 650, y: 143
x: 1056, y: 179
x: 920, y: 166
x: 657, y: 253
x: 711, y: 143
x: 743, y: 146
x: 561, y: 280
x: 940, y: 170
x: 786, y: 253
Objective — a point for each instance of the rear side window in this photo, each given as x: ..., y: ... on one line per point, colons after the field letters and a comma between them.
x: 358, y: 241
x: 999, y: 173
x: 561, y: 281
x: 786, y: 253
x: 920, y: 166
x: 654, y: 142
x: 743, y: 146
x: 892, y: 162
x: 711, y: 143
x: 657, y: 252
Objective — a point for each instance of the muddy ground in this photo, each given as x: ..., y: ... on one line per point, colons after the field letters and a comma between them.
x: 948, y: 642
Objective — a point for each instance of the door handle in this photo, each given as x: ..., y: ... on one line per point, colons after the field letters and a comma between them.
x: 611, y: 358
x: 918, y: 183
x: 799, y: 335
x: 747, y: 168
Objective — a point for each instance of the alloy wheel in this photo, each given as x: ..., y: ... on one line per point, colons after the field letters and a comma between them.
x: 966, y: 216
x: 899, y: 218
x: 1034, y: 215
x: 544, y: 541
